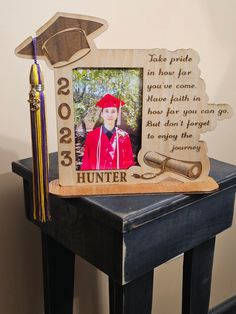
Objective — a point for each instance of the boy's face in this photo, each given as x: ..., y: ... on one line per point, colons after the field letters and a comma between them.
x: 109, y: 114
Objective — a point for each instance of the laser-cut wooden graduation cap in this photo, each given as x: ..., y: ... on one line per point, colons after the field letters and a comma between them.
x: 164, y: 97
x: 64, y: 39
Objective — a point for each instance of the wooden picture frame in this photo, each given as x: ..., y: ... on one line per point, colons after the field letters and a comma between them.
x: 175, y: 110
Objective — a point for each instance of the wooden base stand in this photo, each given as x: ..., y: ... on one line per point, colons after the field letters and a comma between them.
x: 166, y: 186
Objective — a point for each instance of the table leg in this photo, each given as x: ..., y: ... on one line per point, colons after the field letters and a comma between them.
x: 132, y: 298
x: 58, y: 273
x: 197, y: 278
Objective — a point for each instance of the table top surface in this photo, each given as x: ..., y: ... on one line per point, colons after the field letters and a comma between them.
x: 129, y: 211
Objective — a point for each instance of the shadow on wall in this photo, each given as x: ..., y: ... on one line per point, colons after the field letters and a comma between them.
x: 21, y: 289
x: 91, y: 289
x: 20, y: 263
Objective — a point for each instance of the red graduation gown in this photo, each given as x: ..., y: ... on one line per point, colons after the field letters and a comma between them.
x: 107, y: 150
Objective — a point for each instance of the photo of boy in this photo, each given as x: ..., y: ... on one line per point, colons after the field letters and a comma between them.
x: 107, y: 117
x: 108, y: 146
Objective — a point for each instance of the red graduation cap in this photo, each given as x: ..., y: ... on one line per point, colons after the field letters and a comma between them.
x: 110, y: 101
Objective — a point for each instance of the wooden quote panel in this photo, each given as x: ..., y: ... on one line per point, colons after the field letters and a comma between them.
x: 166, y: 110
x: 175, y: 111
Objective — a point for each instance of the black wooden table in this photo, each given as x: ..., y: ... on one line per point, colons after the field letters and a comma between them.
x: 126, y: 237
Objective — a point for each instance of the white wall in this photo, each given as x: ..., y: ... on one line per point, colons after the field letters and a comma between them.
x: 207, y: 26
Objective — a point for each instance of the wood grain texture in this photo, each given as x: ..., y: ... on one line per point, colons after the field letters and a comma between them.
x: 58, y: 38
x: 184, y: 154
x: 174, y: 109
x: 167, y: 186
